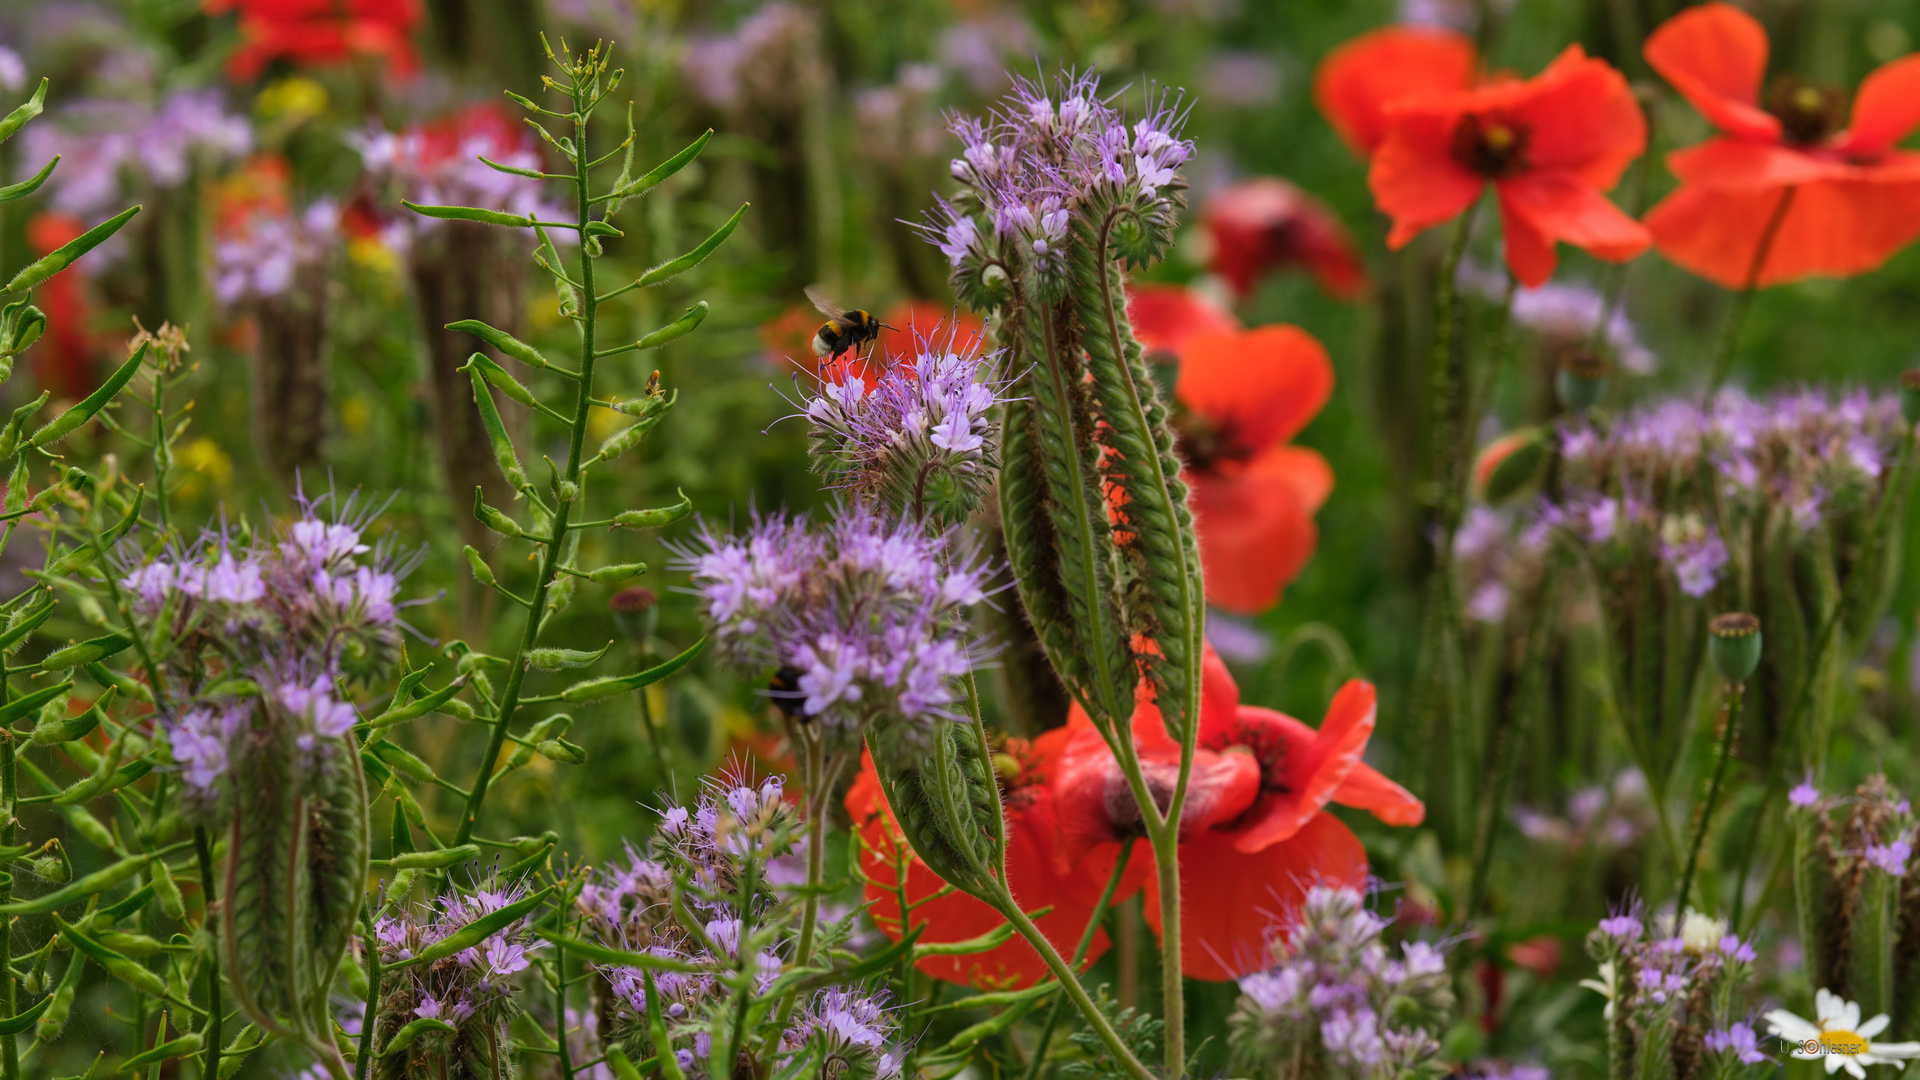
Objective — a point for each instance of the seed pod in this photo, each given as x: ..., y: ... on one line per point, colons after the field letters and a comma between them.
x: 655, y: 518
x: 1511, y: 465
x: 562, y: 751
x: 618, y: 572
x: 494, y: 519
x: 1734, y: 643
x: 482, y: 573
x: 436, y: 860
x: 1580, y: 379
x: 54, y: 1020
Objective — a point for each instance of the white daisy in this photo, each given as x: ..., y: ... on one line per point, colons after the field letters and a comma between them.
x: 1840, y: 1037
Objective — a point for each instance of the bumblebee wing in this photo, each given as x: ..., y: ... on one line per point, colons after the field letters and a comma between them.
x: 818, y: 295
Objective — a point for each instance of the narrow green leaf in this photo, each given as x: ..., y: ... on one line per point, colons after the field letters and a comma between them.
x: 481, y: 929
x: 405, y: 1036
x: 64, y: 255
x: 30, y: 185
x: 674, y: 267
x: 27, y: 111
x: 602, y: 954
x: 513, y: 170
x: 19, y: 707
x: 595, y: 689
x: 992, y: 939
x: 469, y: 213
x: 63, y: 425
x: 19, y: 1022
x: 183, y: 1046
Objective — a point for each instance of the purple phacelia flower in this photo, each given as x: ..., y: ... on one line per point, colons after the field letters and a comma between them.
x: 1740, y: 1040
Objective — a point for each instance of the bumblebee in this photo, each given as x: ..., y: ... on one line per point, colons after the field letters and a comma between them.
x: 844, y: 330
x: 784, y: 689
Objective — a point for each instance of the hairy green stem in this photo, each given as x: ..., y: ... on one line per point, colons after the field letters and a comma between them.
x: 1736, y: 692
x: 1080, y: 954
x: 363, y: 1059
x: 203, y: 857
x: 1513, y: 726
x: 1737, y: 314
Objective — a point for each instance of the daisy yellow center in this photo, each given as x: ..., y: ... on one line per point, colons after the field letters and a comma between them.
x: 1842, y: 1042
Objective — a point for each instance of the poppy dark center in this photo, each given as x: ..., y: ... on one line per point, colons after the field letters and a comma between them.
x: 1492, y: 145
x: 1204, y: 444
x: 1807, y: 112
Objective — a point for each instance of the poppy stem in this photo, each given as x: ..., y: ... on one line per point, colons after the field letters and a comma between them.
x: 1732, y: 726
x: 1737, y: 314
x: 1097, y: 1020
x: 1080, y: 954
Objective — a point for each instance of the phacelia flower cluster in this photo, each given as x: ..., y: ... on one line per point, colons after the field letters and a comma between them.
x: 471, y: 991
x: 438, y: 164
x: 921, y: 440
x: 266, y: 255
x: 259, y: 636
x: 1564, y: 315
x: 1604, y: 817
x: 1338, y: 997
x: 864, y: 616
x: 706, y: 893
x: 1045, y: 157
x: 1671, y: 994
x: 105, y: 147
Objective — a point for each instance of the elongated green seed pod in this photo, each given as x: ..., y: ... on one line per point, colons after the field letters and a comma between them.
x: 264, y: 886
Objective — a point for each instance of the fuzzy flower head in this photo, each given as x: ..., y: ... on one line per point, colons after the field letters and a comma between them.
x: 922, y: 440
x: 870, y: 614
x: 473, y: 990
x: 1046, y: 157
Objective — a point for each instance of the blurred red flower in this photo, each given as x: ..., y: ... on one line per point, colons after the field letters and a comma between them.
x: 1242, y: 395
x: 912, y: 320
x: 1833, y: 202
x: 1254, y: 832
x: 311, y: 32
x: 65, y: 356
x: 1549, y: 145
x: 896, y: 877
x: 1165, y: 317
x: 1265, y: 224
x: 258, y: 188
x: 1357, y: 82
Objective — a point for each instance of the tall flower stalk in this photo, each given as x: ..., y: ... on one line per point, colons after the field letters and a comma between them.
x: 1061, y: 194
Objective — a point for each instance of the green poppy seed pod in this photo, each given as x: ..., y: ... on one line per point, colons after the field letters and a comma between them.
x: 1581, y: 380
x: 1910, y: 396
x: 1734, y: 644
x: 636, y: 612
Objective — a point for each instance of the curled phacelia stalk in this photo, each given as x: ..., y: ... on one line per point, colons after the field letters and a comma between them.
x: 471, y: 992
x: 707, y: 895
x: 922, y: 440
x: 1338, y: 1002
x: 871, y: 614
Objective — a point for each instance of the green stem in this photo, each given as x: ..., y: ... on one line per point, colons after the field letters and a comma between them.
x: 1513, y: 725
x: 1713, y: 798
x: 1737, y: 314
x: 203, y: 856
x: 362, y: 1060
x: 1096, y: 1019
x: 1080, y: 954
x: 560, y: 1004
x: 555, y: 541
x: 9, y: 779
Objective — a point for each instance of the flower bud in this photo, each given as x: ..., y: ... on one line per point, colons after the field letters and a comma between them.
x: 1734, y: 643
x: 1910, y: 396
x: 636, y: 612
x: 1581, y: 380
x: 1510, y: 465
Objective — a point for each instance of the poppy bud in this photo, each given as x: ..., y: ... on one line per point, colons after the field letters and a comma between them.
x: 1510, y: 465
x: 1581, y: 380
x: 1734, y: 644
x: 1910, y: 396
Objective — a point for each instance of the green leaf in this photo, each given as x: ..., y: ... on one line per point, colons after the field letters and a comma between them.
x: 563, y: 659
x: 503, y: 341
x: 470, y: 213
x: 992, y: 939
x: 19, y: 1022
x: 28, y: 186
x: 124, y: 968
x: 183, y: 1046
x: 419, y: 706
x: 405, y: 1036
x: 19, y: 707
x: 674, y: 267
x: 595, y: 689
x: 27, y: 111
x: 64, y: 424
x: 602, y: 954
x: 479, y: 929
x: 64, y: 255
x: 676, y: 329
x: 674, y: 164
x: 655, y: 518
x: 401, y: 761
x: 90, y: 651
x: 499, y: 377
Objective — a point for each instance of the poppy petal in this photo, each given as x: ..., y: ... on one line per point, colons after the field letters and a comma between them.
x: 1886, y: 109
x: 1265, y: 223
x: 1304, y: 472
x: 1356, y: 82
x: 1415, y: 179
x: 1833, y: 228
x: 1540, y: 207
x: 1231, y: 900
x: 1166, y: 317
x: 1736, y: 165
x: 1312, y: 765
x: 1255, y: 537
x: 1582, y: 116
x: 1716, y: 55
x: 1262, y: 385
x: 1366, y: 788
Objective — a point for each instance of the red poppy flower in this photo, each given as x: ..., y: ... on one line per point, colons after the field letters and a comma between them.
x: 1242, y: 396
x: 1357, y: 82
x: 64, y: 357
x: 1549, y: 146
x: 1265, y: 224
x: 1166, y: 317
x: 1254, y: 833
x: 1836, y: 202
x: 1035, y: 876
x: 311, y: 32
